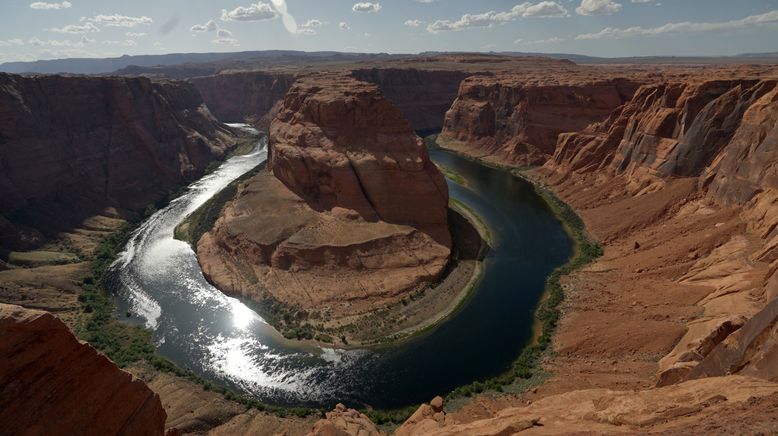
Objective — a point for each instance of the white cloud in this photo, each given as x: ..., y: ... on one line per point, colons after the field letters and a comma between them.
x: 309, y: 27
x: 598, y: 7
x: 344, y: 26
x: 313, y: 23
x: 226, y: 41
x: 426, y: 1
x: 116, y: 20
x: 135, y: 34
x: 58, y: 43
x: 48, y: 6
x: 125, y: 43
x: 552, y: 40
x: 11, y: 42
x: 67, y: 53
x: 544, y: 9
x: 366, y: 7
x: 210, y: 26
x: 223, y: 33
x: 682, y: 27
x: 75, y: 28
x: 258, y: 11
x: 413, y: 23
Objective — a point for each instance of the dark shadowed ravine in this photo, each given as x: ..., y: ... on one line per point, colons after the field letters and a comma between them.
x: 158, y: 280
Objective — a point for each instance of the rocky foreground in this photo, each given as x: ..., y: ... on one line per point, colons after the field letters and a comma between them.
x: 50, y: 383
x: 349, y: 217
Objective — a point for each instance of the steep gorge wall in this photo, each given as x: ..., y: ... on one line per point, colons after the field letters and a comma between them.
x: 72, y: 146
x: 515, y: 120
x: 422, y: 96
x: 246, y: 96
x: 723, y: 134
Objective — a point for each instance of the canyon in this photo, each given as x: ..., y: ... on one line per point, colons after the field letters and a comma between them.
x: 671, y: 168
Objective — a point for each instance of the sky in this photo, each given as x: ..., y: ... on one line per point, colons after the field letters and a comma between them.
x: 106, y: 28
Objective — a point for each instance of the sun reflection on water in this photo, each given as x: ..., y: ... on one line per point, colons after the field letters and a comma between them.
x: 242, y: 316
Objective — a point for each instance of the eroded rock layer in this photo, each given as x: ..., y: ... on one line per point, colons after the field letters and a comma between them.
x: 52, y: 384
x: 721, y: 135
x: 515, y: 120
x: 71, y: 146
x: 350, y: 216
x: 245, y: 96
x: 422, y: 96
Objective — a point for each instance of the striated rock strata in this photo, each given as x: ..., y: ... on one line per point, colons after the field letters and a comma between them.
x: 721, y: 136
x: 50, y: 383
x: 515, y: 120
x: 245, y: 96
x: 422, y: 96
x: 72, y: 146
x: 351, y: 215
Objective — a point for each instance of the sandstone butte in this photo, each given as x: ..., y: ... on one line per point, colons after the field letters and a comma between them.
x: 349, y: 217
x: 52, y: 384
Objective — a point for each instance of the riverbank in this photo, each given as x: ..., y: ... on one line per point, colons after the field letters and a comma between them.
x: 416, y: 314
x: 667, y: 260
x: 522, y: 221
x: 526, y: 371
x: 439, y: 302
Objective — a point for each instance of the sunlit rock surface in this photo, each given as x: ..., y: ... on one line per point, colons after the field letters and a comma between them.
x: 50, y: 383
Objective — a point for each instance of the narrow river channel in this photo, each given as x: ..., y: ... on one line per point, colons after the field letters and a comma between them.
x: 157, y: 279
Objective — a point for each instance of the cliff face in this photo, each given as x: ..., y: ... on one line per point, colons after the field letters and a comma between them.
x: 354, y: 214
x: 53, y: 384
x: 669, y: 130
x: 70, y: 146
x: 422, y: 96
x: 246, y: 96
x: 510, y: 119
x: 339, y: 143
x: 722, y: 136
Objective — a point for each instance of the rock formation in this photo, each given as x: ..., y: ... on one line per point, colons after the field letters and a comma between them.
x: 515, y: 120
x: 350, y: 217
x: 721, y: 135
x: 72, y: 146
x: 698, y: 405
x: 345, y: 422
x: 50, y: 383
x: 245, y: 96
x: 422, y: 96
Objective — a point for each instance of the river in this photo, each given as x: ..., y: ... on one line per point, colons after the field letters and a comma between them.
x: 158, y: 281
